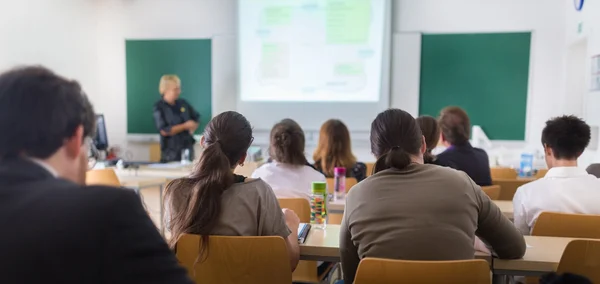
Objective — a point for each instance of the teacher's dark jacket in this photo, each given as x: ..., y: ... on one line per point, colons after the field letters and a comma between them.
x: 58, y: 232
x: 167, y: 116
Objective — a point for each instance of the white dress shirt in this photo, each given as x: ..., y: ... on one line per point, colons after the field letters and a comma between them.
x: 563, y: 189
x: 289, y: 181
x: 44, y: 165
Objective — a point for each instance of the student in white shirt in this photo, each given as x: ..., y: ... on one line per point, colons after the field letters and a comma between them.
x: 289, y: 173
x: 566, y: 188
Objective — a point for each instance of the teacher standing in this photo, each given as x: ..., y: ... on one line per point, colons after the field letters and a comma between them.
x: 175, y: 119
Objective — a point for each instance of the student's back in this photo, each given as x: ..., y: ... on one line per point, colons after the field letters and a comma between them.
x: 456, y: 129
x: 410, y: 210
x: 288, y: 173
x: 473, y: 161
x: 55, y: 229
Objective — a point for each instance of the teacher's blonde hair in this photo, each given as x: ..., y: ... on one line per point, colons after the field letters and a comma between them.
x: 165, y: 79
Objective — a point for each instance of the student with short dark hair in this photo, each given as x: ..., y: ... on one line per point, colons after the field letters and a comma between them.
x: 566, y: 188
x: 57, y: 229
x: 413, y: 211
x: 215, y: 201
x: 456, y: 130
x: 335, y: 150
x: 288, y: 173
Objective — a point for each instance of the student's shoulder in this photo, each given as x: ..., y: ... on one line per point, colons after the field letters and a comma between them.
x: 480, y: 151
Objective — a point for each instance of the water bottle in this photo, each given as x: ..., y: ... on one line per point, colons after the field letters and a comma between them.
x: 318, y: 205
x: 526, y: 165
x: 185, y: 157
x: 339, y: 182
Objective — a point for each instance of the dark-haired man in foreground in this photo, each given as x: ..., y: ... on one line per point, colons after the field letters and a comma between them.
x: 566, y: 188
x: 56, y: 229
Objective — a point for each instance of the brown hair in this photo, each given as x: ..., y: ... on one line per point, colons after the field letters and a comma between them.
x: 431, y: 131
x: 455, y: 125
x: 287, y: 143
x: 395, y: 136
x: 334, y: 148
x: 195, y: 201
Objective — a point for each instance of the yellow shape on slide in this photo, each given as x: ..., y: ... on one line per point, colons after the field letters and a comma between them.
x: 349, y: 69
x: 348, y: 21
x: 277, y: 16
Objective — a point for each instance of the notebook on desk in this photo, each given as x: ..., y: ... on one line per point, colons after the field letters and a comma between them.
x: 303, y: 230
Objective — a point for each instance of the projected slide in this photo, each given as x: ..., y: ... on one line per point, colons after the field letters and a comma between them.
x: 311, y: 50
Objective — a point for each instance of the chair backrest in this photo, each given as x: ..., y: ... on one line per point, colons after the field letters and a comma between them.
x: 582, y: 257
x: 384, y: 271
x: 492, y: 191
x: 247, y: 169
x: 370, y: 167
x: 299, y: 205
x: 552, y: 224
x: 541, y: 173
x: 350, y: 182
x: 102, y: 177
x: 236, y: 260
x: 503, y: 173
x: 508, y: 187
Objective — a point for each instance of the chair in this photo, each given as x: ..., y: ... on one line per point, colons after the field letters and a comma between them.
x: 552, y: 224
x: 508, y: 187
x: 370, y: 167
x: 350, y: 182
x: 306, y: 271
x: 384, y: 271
x: 247, y: 169
x: 236, y: 260
x: 102, y: 177
x: 492, y: 191
x: 155, y: 152
x: 540, y: 173
x: 503, y: 173
x: 581, y: 257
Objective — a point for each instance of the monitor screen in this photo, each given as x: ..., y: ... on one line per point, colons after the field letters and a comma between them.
x: 101, y: 139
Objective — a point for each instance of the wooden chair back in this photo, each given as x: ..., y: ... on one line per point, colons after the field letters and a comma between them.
x: 582, y: 257
x: 350, y: 182
x: 508, y: 187
x: 387, y: 271
x: 236, y: 260
x: 541, y: 173
x: 155, y: 152
x: 102, y: 177
x: 299, y: 205
x: 370, y: 167
x: 503, y: 173
x: 552, y: 224
x: 247, y: 169
x: 492, y: 191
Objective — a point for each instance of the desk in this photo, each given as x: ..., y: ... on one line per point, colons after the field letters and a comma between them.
x: 324, y: 245
x: 542, y: 256
x: 337, y: 207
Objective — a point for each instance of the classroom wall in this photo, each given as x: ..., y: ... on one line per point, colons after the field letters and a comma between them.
x: 44, y: 32
x: 583, y: 36
x: 545, y: 19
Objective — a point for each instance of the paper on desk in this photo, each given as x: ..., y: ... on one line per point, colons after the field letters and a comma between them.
x: 528, y: 246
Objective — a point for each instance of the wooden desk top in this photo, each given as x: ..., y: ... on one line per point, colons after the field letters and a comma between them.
x: 337, y: 206
x: 542, y: 256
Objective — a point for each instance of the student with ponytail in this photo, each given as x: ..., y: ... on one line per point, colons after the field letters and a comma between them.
x: 431, y: 131
x: 415, y: 211
x: 215, y: 201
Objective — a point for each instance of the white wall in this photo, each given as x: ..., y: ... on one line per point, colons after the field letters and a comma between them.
x: 57, y: 34
x: 589, y: 35
x: 154, y: 19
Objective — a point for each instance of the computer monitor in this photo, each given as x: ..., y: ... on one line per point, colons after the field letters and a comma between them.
x: 101, y: 140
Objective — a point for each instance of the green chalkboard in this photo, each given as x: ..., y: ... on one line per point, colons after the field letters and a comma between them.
x: 148, y: 60
x: 486, y: 74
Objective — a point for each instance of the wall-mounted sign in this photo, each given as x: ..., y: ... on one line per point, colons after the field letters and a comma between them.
x: 578, y: 4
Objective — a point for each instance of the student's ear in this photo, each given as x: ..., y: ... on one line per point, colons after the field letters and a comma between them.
x: 423, y: 145
x: 202, y: 141
x: 73, y: 144
x: 547, y: 150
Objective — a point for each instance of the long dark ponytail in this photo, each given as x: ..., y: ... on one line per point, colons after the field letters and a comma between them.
x: 195, y: 201
x: 395, y: 137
